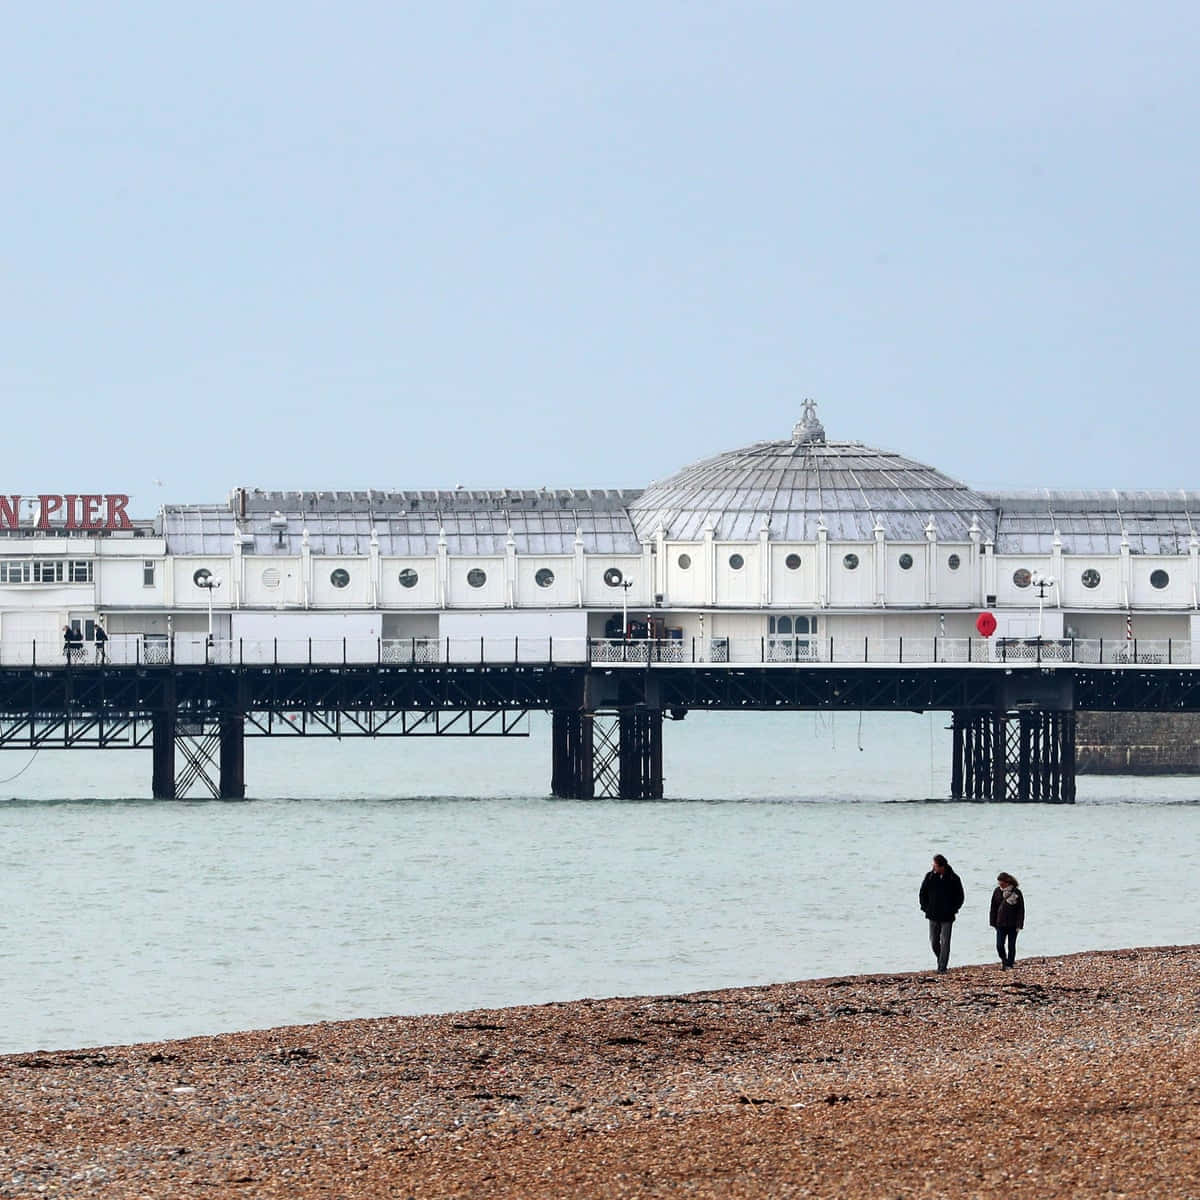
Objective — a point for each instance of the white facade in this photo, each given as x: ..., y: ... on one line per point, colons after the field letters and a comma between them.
x: 719, y: 589
x: 771, y: 544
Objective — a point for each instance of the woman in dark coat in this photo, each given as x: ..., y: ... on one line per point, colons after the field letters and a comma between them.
x: 1008, y: 917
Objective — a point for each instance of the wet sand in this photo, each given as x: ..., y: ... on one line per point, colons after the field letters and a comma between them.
x: 1071, y: 1076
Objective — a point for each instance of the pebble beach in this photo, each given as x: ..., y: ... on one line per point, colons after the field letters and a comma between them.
x: 1068, y: 1076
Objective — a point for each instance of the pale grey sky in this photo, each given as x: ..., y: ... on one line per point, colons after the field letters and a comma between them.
x: 395, y: 245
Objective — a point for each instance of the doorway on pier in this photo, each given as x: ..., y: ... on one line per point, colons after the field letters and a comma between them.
x: 791, y: 637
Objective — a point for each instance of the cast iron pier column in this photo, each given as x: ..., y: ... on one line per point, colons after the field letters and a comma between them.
x: 641, y: 774
x: 572, y: 775
x: 162, y: 786
x: 233, y: 758
x: 213, y: 753
x: 610, y: 755
x: 1026, y: 757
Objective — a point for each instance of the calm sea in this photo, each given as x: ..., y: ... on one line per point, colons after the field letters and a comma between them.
x: 370, y: 878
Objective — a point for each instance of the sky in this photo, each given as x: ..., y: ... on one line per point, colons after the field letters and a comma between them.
x: 390, y: 245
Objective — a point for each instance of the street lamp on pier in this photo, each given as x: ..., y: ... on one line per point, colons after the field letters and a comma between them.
x: 1041, y: 582
x: 209, y: 582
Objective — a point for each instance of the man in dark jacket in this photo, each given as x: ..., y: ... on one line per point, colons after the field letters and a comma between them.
x: 941, y: 898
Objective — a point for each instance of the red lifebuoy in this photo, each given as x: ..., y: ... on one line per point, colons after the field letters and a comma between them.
x: 986, y: 624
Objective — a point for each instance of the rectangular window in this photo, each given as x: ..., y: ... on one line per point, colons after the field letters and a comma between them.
x: 47, y: 570
x: 14, y: 570
x: 148, y: 572
x: 79, y: 570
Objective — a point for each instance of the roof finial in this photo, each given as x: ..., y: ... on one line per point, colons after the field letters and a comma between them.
x: 808, y: 429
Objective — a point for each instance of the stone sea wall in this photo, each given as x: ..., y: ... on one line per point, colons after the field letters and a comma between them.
x: 1124, y: 743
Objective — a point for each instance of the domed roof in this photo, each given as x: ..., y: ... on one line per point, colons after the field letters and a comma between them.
x: 797, y: 485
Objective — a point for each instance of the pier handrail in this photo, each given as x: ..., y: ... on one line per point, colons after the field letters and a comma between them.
x: 195, y: 649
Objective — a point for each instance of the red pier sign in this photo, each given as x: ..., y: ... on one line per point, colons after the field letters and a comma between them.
x: 84, y: 511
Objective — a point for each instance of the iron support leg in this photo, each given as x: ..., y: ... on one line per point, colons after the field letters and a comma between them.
x: 233, y: 758
x: 572, y: 776
x: 641, y: 754
x: 958, y: 724
x: 1066, y: 790
x: 615, y: 755
x: 1026, y: 728
x: 163, y: 778
x: 1027, y: 757
x: 998, y: 763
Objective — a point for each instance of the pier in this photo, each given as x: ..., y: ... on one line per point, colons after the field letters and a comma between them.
x: 798, y: 573
x: 1012, y: 707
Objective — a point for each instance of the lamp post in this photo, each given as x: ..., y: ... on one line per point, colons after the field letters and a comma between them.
x: 209, y: 583
x: 626, y: 584
x: 1042, y: 582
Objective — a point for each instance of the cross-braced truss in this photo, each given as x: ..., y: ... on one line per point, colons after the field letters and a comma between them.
x: 201, y: 759
x: 134, y: 731
x: 65, y: 731
x: 1012, y: 759
x: 389, y: 723
x: 606, y: 756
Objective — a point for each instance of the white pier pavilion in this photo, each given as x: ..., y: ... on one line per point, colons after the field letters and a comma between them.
x: 790, y: 550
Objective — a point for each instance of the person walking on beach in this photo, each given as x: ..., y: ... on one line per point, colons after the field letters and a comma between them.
x: 941, y: 898
x: 1008, y: 918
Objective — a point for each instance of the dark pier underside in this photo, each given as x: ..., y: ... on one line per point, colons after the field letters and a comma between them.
x: 1014, y: 729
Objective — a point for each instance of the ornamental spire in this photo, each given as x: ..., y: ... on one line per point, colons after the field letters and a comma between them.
x: 808, y: 429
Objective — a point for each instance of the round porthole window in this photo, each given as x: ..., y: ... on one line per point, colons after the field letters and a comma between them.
x: 685, y: 561
x: 906, y: 562
x: 1090, y: 578
x: 737, y: 562
x: 201, y: 577
x: 408, y: 578
x: 340, y: 577
x: 850, y: 562
x: 476, y: 578
x: 544, y: 577
x: 1022, y: 578
x: 270, y: 577
x: 954, y: 562
x: 613, y: 577
x: 1159, y: 579
x: 792, y: 562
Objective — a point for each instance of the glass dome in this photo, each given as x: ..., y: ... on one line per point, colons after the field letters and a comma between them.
x: 797, y: 486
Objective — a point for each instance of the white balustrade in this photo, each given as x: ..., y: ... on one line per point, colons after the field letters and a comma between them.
x: 196, y: 649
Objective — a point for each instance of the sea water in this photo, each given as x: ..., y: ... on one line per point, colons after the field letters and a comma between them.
x: 366, y: 878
